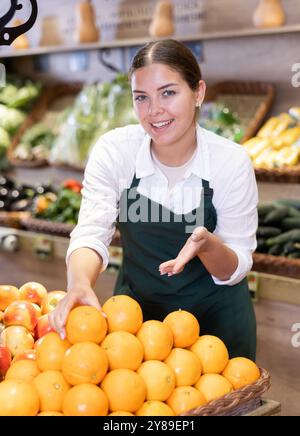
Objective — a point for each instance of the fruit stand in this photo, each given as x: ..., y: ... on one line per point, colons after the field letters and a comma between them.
x: 49, y: 122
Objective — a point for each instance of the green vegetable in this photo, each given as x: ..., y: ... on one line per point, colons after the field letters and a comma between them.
x: 19, y: 95
x: 265, y: 208
x: 10, y: 119
x: 275, y: 250
x: 292, y: 203
x: 277, y: 215
x: 292, y: 235
x: 291, y: 223
x: 268, y: 232
x: 4, y: 139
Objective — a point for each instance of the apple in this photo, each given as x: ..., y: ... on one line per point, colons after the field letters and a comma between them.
x: 17, y: 339
x: 50, y: 302
x: 43, y: 327
x: 8, y: 294
x: 5, y: 360
x: 33, y: 292
x: 25, y: 355
x: 37, y: 308
x: 21, y: 313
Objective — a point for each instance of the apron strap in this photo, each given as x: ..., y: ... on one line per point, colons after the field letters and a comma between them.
x: 135, y: 182
x: 208, y: 191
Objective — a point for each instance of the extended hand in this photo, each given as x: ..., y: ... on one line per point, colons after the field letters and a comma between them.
x: 196, y: 242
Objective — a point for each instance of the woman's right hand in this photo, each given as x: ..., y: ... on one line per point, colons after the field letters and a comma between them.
x: 75, y: 297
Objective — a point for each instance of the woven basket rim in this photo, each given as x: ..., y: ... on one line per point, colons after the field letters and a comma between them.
x: 47, y: 226
x: 277, y: 265
x: 263, y: 89
x: 229, y: 402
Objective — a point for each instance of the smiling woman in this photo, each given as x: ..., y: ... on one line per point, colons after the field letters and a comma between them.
x: 168, y: 166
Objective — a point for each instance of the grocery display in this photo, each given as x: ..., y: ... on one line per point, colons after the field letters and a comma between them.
x: 277, y: 143
x: 97, y: 363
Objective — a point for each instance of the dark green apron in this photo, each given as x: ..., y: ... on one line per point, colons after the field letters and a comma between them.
x: 148, y: 240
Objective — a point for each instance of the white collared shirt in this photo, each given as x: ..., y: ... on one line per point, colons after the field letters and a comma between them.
x: 123, y: 152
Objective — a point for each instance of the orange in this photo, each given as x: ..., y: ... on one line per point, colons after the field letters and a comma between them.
x: 18, y: 398
x: 85, y: 400
x: 125, y: 390
x: 86, y: 324
x: 25, y: 370
x: 241, y: 372
x: 85, y: 362
x: 50, y: 350
x: 124, y: 350
x: 212, y: 353
x: 185, y: 398
x: 50, y: 413
x: 155, y: 408
x: 157, y: 339
x: 184, y: 326
x: 121, y: 413
x: 159, y: 378
x: 123, y: 313
x: 52, y: 388
x: 213, y: 386
x: 186, y: 366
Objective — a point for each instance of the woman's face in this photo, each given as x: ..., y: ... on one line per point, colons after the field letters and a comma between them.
x: 164, y: 103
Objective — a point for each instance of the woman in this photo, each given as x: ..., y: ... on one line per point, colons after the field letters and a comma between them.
x: 185, y: 201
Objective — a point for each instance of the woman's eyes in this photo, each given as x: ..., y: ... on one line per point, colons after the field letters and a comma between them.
x: 140, y: 98
x: 166, y: 93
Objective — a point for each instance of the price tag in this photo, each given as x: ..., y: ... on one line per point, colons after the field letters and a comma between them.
x: 43, y: 248
x: 253, y: 282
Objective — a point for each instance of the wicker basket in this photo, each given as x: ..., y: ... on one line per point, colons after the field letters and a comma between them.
x: 46, y: 99
x: 251, y: 101
x: 279, y: 175
x: 236, y: 403
x: 49, y: 227
x: 13, y: 219
x: 277, y: 265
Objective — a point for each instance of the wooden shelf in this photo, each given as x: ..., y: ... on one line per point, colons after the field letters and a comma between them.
x: 205, y: 36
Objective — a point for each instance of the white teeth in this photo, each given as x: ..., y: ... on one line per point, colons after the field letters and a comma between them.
x: 162, y: 124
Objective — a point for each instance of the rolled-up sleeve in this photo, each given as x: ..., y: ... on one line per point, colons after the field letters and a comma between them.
x: 99, y: 207
x: 237, y: 219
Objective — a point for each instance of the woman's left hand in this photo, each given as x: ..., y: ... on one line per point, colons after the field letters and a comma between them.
x: 196, y: 242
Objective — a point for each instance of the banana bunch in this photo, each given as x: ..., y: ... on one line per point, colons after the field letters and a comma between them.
x: 277, y: 143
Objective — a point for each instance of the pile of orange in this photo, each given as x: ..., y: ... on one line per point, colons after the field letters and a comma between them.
x: 120, y: 365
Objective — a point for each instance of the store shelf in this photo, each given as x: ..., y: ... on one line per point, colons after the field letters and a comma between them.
x: 205, y: 36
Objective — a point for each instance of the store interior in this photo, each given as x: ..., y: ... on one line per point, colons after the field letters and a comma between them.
x: 75, y: 89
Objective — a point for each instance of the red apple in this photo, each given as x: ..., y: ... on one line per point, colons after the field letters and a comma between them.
x: 17, y: 339
x: 33, y: 292
x: 8, y: 294
x: 5, y: 360
x: 43, y: 327
x: 25, y: 355
x: 21, y: 313
x: 50, y: 302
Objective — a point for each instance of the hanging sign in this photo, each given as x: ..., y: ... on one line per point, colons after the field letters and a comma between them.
x: 9, y: 34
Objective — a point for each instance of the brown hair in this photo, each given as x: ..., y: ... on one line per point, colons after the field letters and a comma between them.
x: 172, y: 53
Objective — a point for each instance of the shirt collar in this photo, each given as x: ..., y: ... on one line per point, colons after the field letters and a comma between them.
x: 200, y: 165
